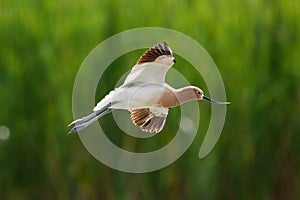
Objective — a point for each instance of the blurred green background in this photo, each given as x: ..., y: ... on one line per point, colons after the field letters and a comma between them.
x: 256, y: 46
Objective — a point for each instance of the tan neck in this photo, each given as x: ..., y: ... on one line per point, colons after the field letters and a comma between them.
x: 174, y: 97
x: 185, y: 94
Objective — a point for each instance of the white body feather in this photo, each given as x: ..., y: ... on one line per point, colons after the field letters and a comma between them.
x: 140, y: 95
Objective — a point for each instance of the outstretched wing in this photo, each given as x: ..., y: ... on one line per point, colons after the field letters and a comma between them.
x: 148, y: 68
x: 154, y: 52
x: 149, y: 119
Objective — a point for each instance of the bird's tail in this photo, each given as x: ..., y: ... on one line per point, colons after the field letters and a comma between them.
x: 104, y: 102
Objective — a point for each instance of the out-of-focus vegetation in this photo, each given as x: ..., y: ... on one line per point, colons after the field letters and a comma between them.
x: 256, y: 46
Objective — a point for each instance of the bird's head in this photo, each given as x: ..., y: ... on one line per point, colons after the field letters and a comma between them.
x: 199, y: 96
x: 197, y: 92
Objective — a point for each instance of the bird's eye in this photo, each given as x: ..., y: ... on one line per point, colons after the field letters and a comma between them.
x: 198, y: 92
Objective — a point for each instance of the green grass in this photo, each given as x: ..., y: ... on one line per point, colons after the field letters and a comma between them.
x: 256, y: 47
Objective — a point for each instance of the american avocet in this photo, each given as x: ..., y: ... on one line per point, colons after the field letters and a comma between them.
x: 145, y: 94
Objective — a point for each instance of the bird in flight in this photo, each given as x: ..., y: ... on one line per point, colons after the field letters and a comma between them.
x: 145, y: 94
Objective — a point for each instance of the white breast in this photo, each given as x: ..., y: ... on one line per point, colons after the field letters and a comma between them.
x: 139, y: 95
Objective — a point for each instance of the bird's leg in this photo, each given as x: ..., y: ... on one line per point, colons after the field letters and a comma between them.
x: 82, y: 120
x: 83, y: 126
x: 86, y: 118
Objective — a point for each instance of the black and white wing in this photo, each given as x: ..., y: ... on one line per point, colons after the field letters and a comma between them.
x: 153, y: 65
x: 149, y: 119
